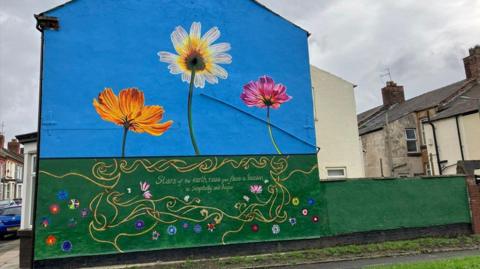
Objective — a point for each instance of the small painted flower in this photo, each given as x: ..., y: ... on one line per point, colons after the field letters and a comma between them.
x: 305, y: 212
x: 171, y: 230
x: 264, y: 93
x: 275, y: 229
x: 67, y: 246
x: 129, y: 190
x: 197, y: 228
x: 295, y: 201
x: 197, y: 54
x: 315, y: 219
x: 246, y: 198
x: 54, y: 209
x: 84, y: 213
x: 50, y: 240
x: 265, y: 181
x: 45, y: 222
x: 256, y: 189
x: 186, y: 198
x: 255, y: 228
x: 185, y: 225
x: 73, y: 204
x: 72, y: 223
x: 147, y: 195
x: 62, y: 195
x: 310, y: 201
x: 211, y: 226
x: 144, y: 186
x: 292, y: 221
x: 155, y: 235
x: 139, y: 224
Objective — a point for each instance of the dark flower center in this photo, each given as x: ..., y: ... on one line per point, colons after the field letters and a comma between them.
x: 267, y: 102
x: 195, y: 61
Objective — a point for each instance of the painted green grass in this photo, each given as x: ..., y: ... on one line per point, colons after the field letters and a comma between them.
x: 392, y: 248
x: 472, y: 262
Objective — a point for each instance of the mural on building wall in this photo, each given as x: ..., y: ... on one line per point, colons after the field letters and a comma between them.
x: 134, y: 157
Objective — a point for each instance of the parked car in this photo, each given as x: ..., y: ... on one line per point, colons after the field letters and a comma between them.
x: 7, y: 203
x: 9, y: 220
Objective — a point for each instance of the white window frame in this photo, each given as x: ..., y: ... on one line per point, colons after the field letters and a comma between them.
x: 411, y: 139
x: 343, y: 168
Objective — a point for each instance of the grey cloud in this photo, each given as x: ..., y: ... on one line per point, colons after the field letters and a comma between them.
x: 422, y: 42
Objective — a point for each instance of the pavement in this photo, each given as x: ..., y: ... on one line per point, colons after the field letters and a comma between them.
x: 9, y: 253
x: 361, y: 263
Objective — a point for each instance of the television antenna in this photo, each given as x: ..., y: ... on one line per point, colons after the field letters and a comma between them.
x: 386, y: 73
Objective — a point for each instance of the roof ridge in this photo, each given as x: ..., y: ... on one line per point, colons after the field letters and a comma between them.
x: 452, y: 97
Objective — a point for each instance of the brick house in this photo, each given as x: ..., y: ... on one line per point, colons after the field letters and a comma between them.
x: 11, y: 169
x: 393, y: 134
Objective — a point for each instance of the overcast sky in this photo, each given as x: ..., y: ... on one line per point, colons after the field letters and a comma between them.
x: 422, y: 42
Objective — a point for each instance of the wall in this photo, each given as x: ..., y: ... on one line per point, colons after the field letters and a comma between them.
x: 335, y: 124
x: 118, y: 221
x: 390, y: 145
x: 30, y: 150
x: 470, y: 125
x: 373, y: 150
x: 145, y: 153
x: 448, y: 142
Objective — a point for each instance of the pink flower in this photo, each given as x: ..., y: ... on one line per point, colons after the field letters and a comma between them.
x: 147, y: 195
x: 264, y: 93
x: 144, y: 186
x: 256, y: 189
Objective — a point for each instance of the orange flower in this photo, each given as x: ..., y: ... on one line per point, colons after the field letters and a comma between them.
x: 128, y: 110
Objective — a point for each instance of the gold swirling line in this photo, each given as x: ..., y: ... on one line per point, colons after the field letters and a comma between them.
x: 106, y: 172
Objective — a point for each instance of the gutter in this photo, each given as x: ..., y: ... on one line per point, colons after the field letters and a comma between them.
x: 435, y: 142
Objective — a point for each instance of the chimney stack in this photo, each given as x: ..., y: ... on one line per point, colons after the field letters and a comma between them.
x: 392, y: 94
x: 2, y: 141
x: 14, y: 146
x: 472, y: 63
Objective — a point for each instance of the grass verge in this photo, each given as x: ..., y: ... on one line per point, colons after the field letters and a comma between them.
x: 348, y: 252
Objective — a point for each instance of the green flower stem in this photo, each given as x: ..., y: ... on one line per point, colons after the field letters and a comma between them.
x: 125, y: 131
x: 270, y: 131
x: 190, y: 124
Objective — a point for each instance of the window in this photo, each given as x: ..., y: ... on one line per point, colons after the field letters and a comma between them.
x: 34, y: 164
x: 7, y: 191
x: 336, y: 172
x: 19, y: 172
x: 19, y: 191
x: 411, y: 137
x: 11, y: 211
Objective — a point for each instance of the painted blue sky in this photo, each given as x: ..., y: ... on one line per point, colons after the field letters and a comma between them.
x: 121, y: 52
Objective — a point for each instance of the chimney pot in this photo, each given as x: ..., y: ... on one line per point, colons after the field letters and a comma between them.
x: 472, y: 63
x: 392, y: 94
x: 2, y: 141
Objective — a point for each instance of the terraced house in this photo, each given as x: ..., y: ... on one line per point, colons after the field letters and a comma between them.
x: 11, y: 169
x: 427, y: 134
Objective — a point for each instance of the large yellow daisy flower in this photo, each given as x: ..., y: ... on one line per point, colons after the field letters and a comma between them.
x: 196, y: 53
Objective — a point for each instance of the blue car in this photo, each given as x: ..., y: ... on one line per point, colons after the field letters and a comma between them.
x: 9, y: 220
